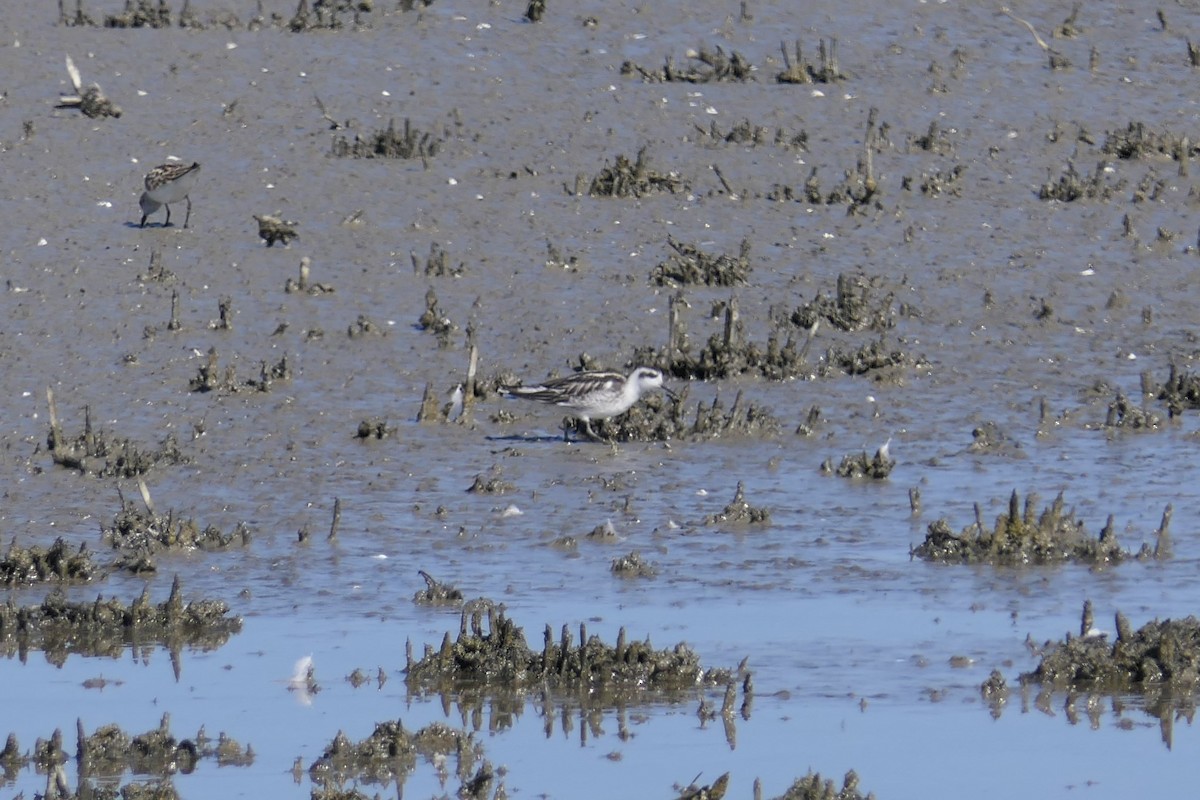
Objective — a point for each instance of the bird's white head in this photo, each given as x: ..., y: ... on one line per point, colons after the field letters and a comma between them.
x: 149, y: 205
x: 646, y: 378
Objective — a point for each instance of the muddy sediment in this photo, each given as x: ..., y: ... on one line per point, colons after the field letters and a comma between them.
x: 913, y: 233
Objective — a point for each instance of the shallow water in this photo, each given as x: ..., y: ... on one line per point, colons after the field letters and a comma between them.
x: 850, y: 641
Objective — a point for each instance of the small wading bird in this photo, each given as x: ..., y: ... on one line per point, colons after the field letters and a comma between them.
x: 168, y: 184
x: 593, y: 395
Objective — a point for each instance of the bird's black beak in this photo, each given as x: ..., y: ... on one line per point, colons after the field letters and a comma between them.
x: 674, y: 397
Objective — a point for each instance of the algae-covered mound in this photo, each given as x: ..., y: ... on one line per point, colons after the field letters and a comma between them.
x: 1051, y: 537
x: 109, y: 752
x: 142, y: 532
x: 813, y: 787
x: 107, y: 627
x: 24, y: 565
x: 391, y: 753
x: 501, y: 658
x: 1160, y: 653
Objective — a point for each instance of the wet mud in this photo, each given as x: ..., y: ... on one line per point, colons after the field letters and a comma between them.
x: 923, y: 225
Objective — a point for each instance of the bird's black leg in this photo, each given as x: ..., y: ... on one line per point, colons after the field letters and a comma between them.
x: 188, y: 218
x: 168, y: 222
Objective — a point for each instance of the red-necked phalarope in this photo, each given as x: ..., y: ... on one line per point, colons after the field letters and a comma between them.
x: 593, y: 395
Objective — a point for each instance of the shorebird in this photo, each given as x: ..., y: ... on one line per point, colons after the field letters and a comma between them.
x: 586, y: 396
x: 167, y: 184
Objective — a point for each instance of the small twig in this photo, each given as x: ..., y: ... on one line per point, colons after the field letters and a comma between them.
x: 1040, y: 42
x: 337, y: 518
x: 333, y: 123
x: 728, y: 189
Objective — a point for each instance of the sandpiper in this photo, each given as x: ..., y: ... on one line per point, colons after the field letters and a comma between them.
x: 593, y: 395
x: 167, y: 184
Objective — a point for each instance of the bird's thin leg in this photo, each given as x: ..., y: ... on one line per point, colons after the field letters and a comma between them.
x: 566, y: 426
x: 168, y: 222
x: 591, y: 434
x: 143, y: 221
x: 187, y: 218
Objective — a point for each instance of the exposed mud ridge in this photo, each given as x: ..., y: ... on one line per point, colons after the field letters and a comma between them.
x: 1160, y: 654
x: 989, y: 438
x: 1071, y: 185
x: 28, y: 565
x: 1123, y: 414
x: 633, y: 566
x: 744, y: 133
x: 501, y: 659
x: 1140, y: 141
x: 853, y: 307
x: 1181, y: 390
x: 729, y: 353
x: 303, y: 284
x: 111, y: 751
x: 106, y: 456
x: 797, y: 68
x: 437, y: 593
x: 325, y: 15
x: 858, y: 465
x: 661, y: 419
x: 714, y: 791
x: 436, y: 321
x: 108, y: 627
x: 726, y: 354
x: 813, y: 787
x: 691, y: 266
x: 706, y: 66
x: 211, y: 378
x: 140, y: 534
x: 631, y: 179
x: 437, y: 263
x: 389, y: 143
x: 1052, y: 537
x: 493, y: 484
x: 374, y: 428
x: 738, y: 512
x: 392, y: 753
x: 859, y: 189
